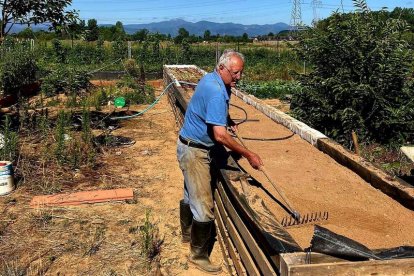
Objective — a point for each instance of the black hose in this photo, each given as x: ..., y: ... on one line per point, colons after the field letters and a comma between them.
x: 257, y: 139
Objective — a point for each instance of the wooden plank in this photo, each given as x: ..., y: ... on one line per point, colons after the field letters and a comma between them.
x: 299, y: 258
x: 82, y: 197
x: 224, y: 251
x: 321, y: 264
x: 223, y: 237
x: 230, y: 246
x: 383, y: 267
x: 261, y: 260
x: 266, y: 230
x: 235, y: 237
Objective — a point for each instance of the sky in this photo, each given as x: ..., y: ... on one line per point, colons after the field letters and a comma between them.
x: 221, y: 11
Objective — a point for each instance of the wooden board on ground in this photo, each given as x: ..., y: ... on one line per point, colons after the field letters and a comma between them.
x: 293, y: 264
x: 82, y: 197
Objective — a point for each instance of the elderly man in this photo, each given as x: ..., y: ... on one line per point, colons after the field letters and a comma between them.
x: 205, y: 125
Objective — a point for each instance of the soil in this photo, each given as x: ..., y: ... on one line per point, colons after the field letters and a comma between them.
x: 105, y: 238
x: 314, y: 182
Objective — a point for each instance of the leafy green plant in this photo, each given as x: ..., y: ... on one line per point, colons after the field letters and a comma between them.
x: 150, y: 241
x: 360, y: 79
x: 270, y: 89
x: 65, y: 79
x: 9, y: 150
x: 60, y: 137
x: 18, y: 67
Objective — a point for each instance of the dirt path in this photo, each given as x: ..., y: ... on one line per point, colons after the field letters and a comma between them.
x: 106, y: 238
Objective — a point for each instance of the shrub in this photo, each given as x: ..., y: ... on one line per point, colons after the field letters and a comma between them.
x: 360, y: 78
x: 18, y: 67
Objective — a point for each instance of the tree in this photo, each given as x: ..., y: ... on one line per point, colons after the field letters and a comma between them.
x: 207, y: 35
x: 182, y: 34
x: 119, y: 31
x: 360, y: 78
x: 34, y: 12
x: 140, y: 35
x: 92, y: 30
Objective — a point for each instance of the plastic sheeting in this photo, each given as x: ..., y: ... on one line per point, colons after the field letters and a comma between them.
x: 327, y: 242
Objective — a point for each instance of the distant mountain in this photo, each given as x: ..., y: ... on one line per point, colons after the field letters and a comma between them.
x: 198, y: 28
x: 17, y: 28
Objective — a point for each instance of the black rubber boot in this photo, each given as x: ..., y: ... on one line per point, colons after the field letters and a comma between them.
x: 186, y: 219
x: 202, y: 234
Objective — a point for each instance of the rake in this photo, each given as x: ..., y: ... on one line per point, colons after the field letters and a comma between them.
x: 294, y: 217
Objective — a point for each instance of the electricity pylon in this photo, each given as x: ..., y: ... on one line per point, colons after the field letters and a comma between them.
x: 316, y: 4
x: 296, y: 17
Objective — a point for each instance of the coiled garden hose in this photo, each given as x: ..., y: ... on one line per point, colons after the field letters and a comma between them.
x: 151, y: 105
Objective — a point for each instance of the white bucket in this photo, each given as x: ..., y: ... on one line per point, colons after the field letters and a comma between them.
x: 6, y: 178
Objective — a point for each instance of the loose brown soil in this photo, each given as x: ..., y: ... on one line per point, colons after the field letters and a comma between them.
x: 104, y: 238
x: 314, y: 182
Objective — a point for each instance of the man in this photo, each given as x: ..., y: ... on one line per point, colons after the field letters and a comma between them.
x: 205, y: 125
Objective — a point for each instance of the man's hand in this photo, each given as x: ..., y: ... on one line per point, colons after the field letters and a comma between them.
x: 233, y: 126
x: 223, y: 137
x: 254, y: 160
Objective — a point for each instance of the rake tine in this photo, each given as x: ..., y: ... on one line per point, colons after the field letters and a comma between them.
x: 313, y: 217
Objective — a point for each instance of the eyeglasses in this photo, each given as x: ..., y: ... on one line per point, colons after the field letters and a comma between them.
x: 233, y: 74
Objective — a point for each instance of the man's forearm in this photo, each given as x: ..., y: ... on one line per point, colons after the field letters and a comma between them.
x: 230, y: 143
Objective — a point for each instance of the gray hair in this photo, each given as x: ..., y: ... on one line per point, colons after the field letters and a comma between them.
x: 227, y: 55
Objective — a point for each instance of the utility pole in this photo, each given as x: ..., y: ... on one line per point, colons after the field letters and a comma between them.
x: 296, y: 16
x: 316, y: 4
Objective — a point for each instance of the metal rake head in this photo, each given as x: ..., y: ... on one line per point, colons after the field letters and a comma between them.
x: 306, y: 219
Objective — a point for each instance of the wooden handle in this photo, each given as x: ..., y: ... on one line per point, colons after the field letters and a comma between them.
x: 263, y: 170
x: 280, y: 192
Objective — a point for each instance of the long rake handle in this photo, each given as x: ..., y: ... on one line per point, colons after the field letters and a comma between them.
x: 279, y: 191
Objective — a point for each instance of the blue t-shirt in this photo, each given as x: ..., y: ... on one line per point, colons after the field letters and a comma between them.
x: 208, y: 106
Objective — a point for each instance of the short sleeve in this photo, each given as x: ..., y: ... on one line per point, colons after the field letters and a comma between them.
x: 217, y: 111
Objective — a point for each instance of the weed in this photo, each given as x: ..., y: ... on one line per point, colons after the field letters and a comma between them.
x: 10, y: 141
x: 43, y: 125
x: 123, y: 222
x: 150, y: 241
x: 95, y: 243
x: 42, y: 217
x: 133, y: 229
x: 60, y: 137
x: 12, y: 268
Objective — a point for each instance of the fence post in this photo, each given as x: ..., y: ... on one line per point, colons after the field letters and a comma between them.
x: 217, y: 53
x: 129, y: 50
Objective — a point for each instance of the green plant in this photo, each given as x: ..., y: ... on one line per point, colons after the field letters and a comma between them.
x: 270, y: 89
x: 60, y: 137
x: 18, y: 68
x: 150, y: 241
x: 119, y: 48
x: 42, y: 217
x: 360, y: 79
x: 9, y: 150
x: 60, y: 51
